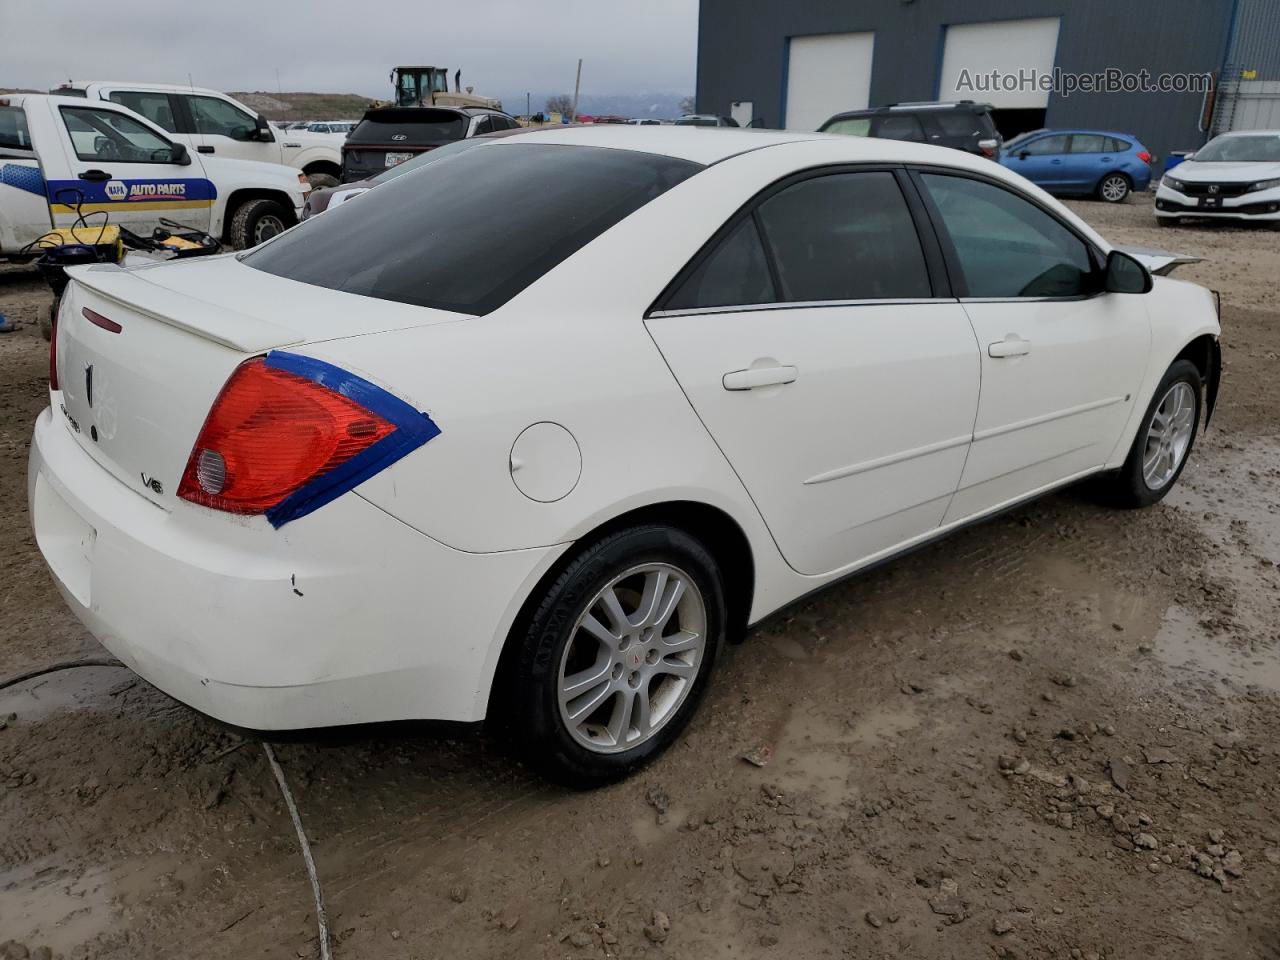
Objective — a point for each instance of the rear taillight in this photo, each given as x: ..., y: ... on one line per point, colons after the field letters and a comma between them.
x: 287, y: 434
x: 1144, y: 156
x: 53, y: 349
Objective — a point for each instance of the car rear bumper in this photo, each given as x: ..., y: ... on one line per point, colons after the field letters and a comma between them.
x: 345, y: 616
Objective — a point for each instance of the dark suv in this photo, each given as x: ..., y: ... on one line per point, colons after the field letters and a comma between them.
x: 388, y: 136
x: 963, y: 125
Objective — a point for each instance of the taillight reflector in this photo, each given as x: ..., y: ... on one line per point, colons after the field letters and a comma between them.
x: 53, y: 350
x: 287, y: 434
x: 98, y: 320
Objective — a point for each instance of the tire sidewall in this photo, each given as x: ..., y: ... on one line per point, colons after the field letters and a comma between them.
x: 244, y: 223
x: 1137, y: 490
x: 549, y: 743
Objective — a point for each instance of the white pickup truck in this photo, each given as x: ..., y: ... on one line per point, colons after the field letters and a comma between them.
x: 212, y: 123
x: 65, y: 158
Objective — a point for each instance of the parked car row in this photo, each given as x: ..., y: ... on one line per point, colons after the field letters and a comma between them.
x: 1235, y: 176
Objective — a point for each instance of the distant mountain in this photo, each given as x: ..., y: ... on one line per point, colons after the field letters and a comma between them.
x: 351, y: 106
x: 663, y: 106
x: 306, y: 106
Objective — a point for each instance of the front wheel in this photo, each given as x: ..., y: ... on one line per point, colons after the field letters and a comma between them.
x: 618, y: 654
x: 1164, y: 441
x: 257, y: 221
x: 1114, y: 188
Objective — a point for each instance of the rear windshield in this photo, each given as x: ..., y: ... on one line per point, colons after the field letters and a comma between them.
x: 471, y: 231
x: 964, y: 123
x: 409, y: 126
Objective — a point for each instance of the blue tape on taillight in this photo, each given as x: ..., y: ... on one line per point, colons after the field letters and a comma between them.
x: 413, y: 429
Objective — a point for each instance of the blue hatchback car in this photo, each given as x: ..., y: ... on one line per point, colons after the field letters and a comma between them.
x: 1082, y: 162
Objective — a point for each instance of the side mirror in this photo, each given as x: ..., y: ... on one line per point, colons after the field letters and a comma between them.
x: 263, y: 132
x: 178, y: 154
x: 1023, y: 154
x: 1126, y: 275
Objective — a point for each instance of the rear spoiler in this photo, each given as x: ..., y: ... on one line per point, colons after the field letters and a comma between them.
x: 1160, y: 262
x: 134, y: 292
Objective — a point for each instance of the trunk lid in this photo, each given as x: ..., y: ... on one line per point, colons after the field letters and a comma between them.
x: 136, y: 397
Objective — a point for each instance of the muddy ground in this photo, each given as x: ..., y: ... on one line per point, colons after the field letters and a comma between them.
x: 1054, y: 735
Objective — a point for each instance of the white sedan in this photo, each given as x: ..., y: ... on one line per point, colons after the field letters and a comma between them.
x: 532, y: 431
x: 1232, y: 177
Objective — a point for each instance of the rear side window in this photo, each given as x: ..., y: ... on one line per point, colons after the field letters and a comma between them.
x: 850, y: 127
x: 1007, y: 246
x: 1118, y: 146
x: 431, y: 237
x: 846, y: 236
x: 156, y: 107
x: 736, y: 273
x: 1090, y: 143
x: 13, y: 129
x: 962, y: 123
x: 415, y: 125
x: 900, y: 127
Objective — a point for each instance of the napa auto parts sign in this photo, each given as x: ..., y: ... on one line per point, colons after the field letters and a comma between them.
x: 176, y: 193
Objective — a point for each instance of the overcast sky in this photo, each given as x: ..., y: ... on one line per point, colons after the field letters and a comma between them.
x: 502, y: 46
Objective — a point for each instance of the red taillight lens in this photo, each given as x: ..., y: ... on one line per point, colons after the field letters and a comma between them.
x: 1144, y: 156
x: 53, y: 349
x: 270, y: 432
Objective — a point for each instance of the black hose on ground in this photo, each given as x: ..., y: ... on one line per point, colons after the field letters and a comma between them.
x: 61, y: 665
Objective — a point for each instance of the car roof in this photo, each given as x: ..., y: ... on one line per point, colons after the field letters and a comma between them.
x: 131, y: 85
x: 708, y: 145
x: 1054, y: 131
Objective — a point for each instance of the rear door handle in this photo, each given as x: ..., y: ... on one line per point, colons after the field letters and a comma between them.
x: 1011, y: 346
x: 95, y: 175
x: 204, y: 149
x: 758, y: 377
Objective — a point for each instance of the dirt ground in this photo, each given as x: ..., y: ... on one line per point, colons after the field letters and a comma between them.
x: 1053, y: 735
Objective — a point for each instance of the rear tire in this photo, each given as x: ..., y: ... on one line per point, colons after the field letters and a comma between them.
x: 256, y: 221
x: 1163, y: 445
x: 321, y: 180
x: 1114, y: 188
x: 604, y: 682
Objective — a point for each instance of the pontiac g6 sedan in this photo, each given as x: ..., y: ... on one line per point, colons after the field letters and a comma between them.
x: 532, y: 431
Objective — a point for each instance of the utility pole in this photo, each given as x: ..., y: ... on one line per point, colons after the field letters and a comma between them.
x: 577, y: 85
x: 528, y: 112
x: 278, y: 89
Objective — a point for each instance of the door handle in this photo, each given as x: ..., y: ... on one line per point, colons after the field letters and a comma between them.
x: 1011, y: 346
x: 1056, y: 163
x: 95, y: 175
x: 204, y: 149
x: 758, y: 377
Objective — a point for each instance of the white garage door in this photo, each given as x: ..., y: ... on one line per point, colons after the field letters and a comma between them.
x: 826, y: 75
x: 1011, y: 47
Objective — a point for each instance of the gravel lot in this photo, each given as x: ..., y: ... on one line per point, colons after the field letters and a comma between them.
x: 1053, y: 735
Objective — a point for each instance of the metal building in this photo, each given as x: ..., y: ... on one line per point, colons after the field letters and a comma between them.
x: 794, y: 63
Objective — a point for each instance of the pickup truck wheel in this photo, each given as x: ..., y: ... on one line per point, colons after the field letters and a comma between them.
x: 322, y: 180
x: 256, y: 221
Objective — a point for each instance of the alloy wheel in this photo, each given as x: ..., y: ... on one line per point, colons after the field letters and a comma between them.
x: 1169, y: 435
x: 632, y: 658
x: 1114, y: 189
